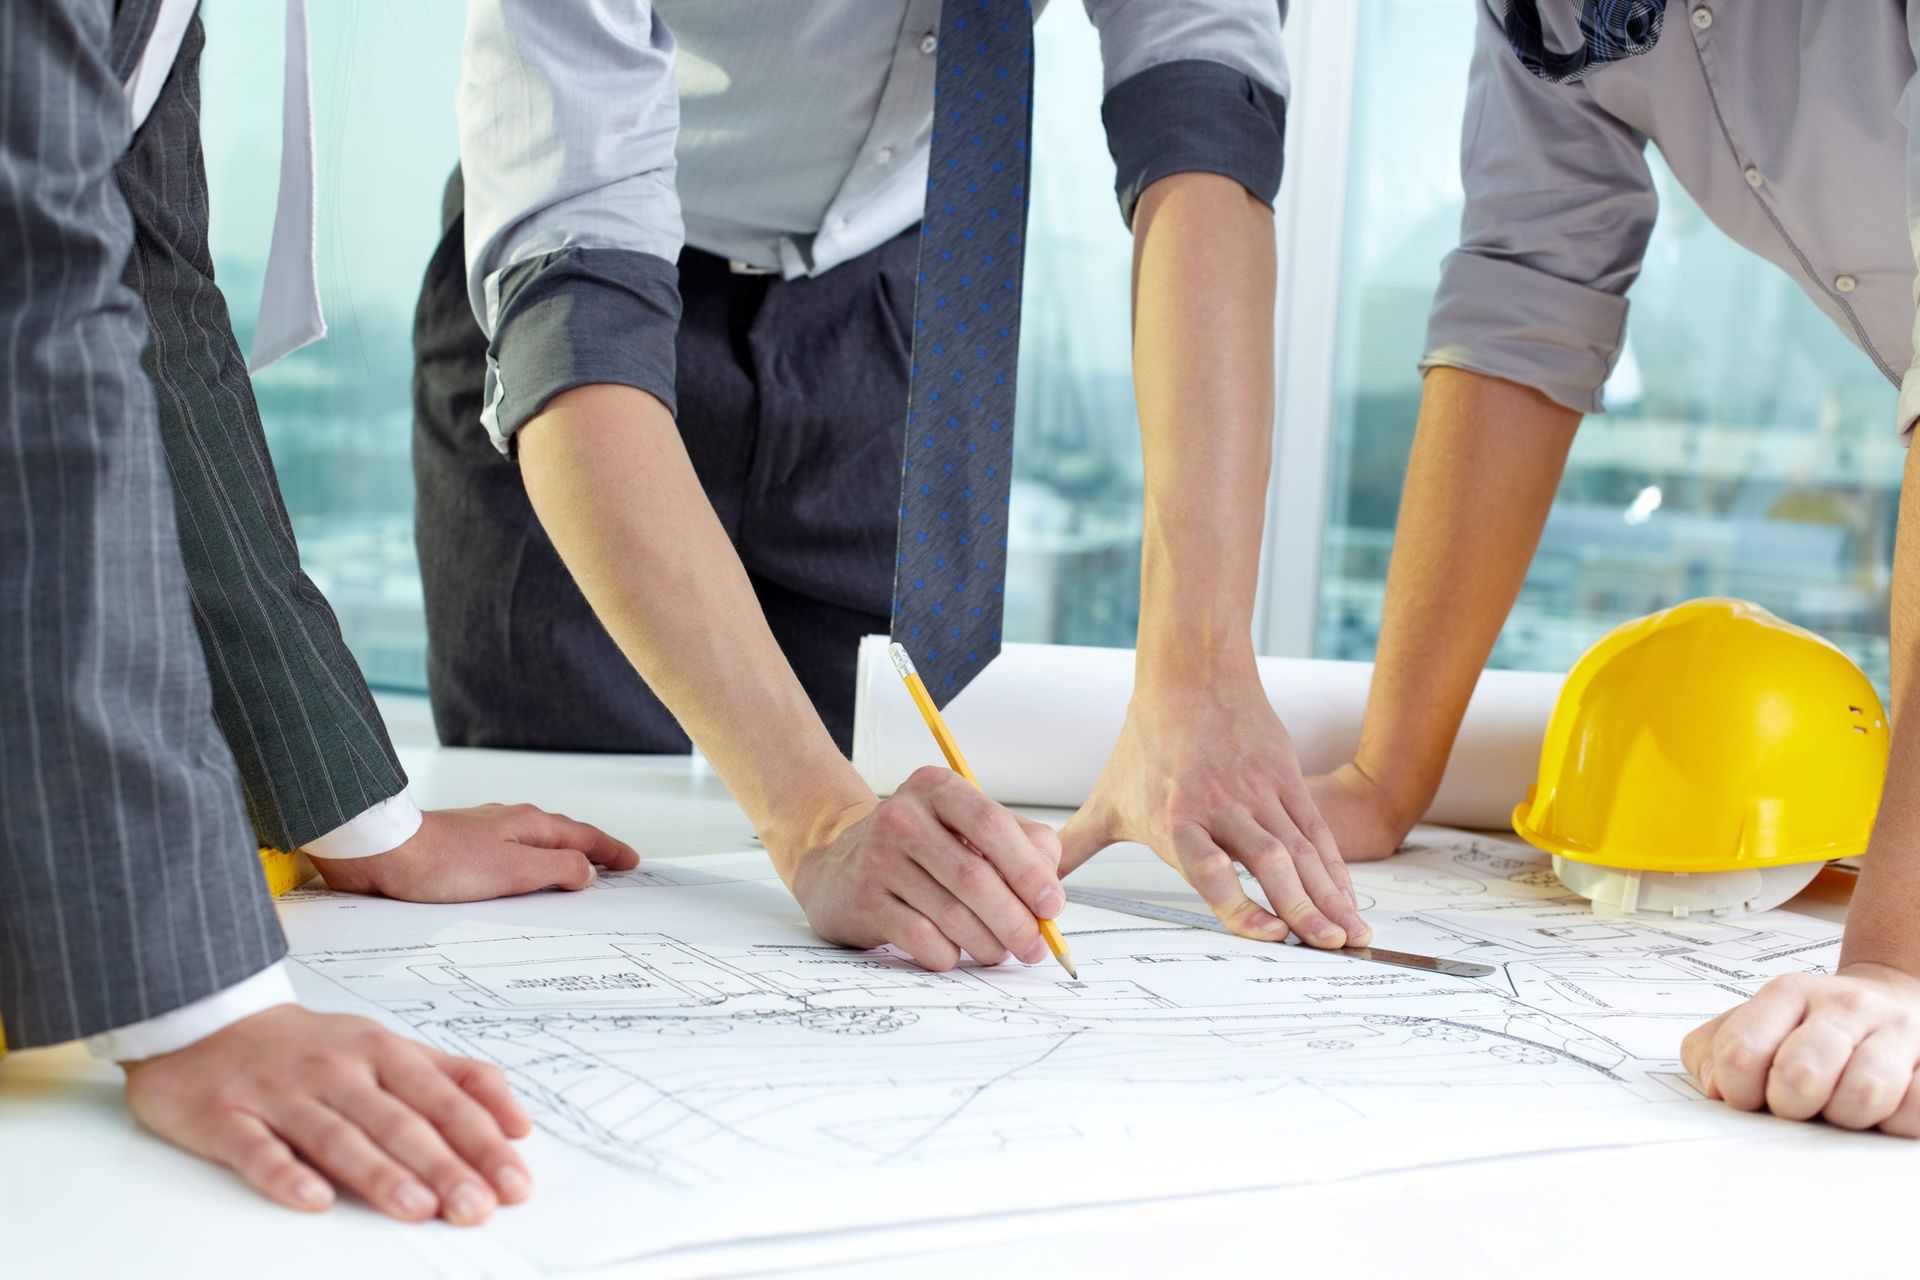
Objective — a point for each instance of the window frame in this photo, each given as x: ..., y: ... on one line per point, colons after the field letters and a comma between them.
x: 1310, y: 224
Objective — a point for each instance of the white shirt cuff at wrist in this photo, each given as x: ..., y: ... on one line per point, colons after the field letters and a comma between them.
x: 385, y: 826
x: 183, y: 1026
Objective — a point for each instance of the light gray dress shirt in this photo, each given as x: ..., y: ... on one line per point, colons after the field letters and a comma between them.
x: 1788, y: 121
x: 596, y: 139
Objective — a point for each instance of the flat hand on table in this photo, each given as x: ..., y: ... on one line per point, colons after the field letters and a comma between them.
x: 935, y: 869
x: 493, y: 851
x: 1844, y: 1046
x: 1207, y: 778
x: 299, y: 1103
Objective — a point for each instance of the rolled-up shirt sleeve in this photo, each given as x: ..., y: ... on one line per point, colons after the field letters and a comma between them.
x: 568, y: 118
x: 1192, y: 86
x: 1559, y: 205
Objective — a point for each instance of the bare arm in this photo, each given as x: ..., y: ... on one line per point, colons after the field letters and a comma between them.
x: 1846, y: 1045
x: 1203, y: 772
x: 1487, y: 458
x: 611, y: 482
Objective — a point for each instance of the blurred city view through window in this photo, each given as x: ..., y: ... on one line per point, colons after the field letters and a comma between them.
x: 1748, y: 448
x: 338, y: 414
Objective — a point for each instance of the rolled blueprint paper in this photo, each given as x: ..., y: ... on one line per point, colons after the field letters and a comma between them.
x: 1038, y: 725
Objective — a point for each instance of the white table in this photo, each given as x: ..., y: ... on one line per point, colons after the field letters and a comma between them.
x: 83, y: 1193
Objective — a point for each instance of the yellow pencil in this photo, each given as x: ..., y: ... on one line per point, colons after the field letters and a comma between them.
x: 958, y: 763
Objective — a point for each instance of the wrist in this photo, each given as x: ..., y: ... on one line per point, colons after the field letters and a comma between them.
x: 1200, y: 651
x: 1403, y: 794
x: 807, y: 819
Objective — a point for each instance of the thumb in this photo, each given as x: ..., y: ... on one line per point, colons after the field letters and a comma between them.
x: 1085, y: 834
x: 536, y: 868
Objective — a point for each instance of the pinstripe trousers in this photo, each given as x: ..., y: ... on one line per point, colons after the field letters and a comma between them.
x: 159, y: 645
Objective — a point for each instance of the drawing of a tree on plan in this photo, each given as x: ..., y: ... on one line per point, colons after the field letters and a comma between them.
x: 712, y: 1070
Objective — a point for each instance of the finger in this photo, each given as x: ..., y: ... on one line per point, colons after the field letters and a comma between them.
x: 473, y: 1162
x: 487, y: 1085
x: 243, y: 1143
x: 552, y: 831
x: 1043, y: 837
x: 1085, y: 834
x: 1210, y: 871
x: 916, y: 935
x: 969, y: 879
x: 1696, y: 1053
x: 345, y: 1153
x: 1875, y: 1081
x: 955, y: 916
x: 1316, y: 877
x: 1279, y: 862
x: 1031, y: 873
x: 1807, y: 1066
x: 533, y: 868
x: 1305, y: 814
x: 1905, y: 1120
x: 1744, y: 1046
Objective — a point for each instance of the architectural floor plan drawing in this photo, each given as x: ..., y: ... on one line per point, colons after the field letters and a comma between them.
x: 686, y: 1035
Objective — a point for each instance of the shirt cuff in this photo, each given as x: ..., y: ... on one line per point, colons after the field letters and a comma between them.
x: 1511, y: 321
x: 574, y: 317
x: 181, y: 1027
x: 1194, y: 116
x: 1908, y: 408
x: 384, y: 827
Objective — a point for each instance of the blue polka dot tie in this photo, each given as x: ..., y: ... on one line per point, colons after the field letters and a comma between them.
x: 949, y: 579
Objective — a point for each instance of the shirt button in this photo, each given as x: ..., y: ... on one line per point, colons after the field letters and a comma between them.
x: 1702, y: 18
x: 1845, y: 284
x: 1754, y: 179
x: 883, y: 156
x: 928, y: 43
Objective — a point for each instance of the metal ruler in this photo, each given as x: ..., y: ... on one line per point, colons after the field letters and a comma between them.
x: 1196, y: 920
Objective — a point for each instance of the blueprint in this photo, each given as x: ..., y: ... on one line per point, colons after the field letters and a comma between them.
x: 687, y: 1047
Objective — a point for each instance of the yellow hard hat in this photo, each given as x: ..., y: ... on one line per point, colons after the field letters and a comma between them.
x: 1710, y: 737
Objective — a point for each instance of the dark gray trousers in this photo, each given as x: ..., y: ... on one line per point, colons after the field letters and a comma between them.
x: 792, y: 403
x: 155, y: 627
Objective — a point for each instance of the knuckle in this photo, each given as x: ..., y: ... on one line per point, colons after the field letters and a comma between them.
x: 1796, y: 1075
x: 333, y: 1142
x: 928, y: 777
x: 891, y: 821
x: 973, y: 879
x: 1857, y: 1103
x: 1740, y: 1052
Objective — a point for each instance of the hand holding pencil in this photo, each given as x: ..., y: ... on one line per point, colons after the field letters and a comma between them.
x: 903, y: 663
x: 935, y: 869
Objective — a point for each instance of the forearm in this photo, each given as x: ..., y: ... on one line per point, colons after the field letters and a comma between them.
x: 1883, y: 925
x: 1487, y: 457
x: 611, y: 482
x: 1203, y: 375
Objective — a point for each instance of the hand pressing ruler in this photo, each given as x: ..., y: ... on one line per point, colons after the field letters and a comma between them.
x: 1196, y: 920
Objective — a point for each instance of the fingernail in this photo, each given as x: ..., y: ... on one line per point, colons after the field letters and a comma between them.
x: 468, y: 1205
x: 514, y: 1185
x: 1326, y: 935
x: 313, y: 1193
x: 1358, y: 934
x: 414, y: 1200
x: 1034, y: 954
x: 1051, y: 900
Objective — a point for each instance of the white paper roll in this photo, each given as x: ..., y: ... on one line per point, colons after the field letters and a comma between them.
x: 1038, y: 725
